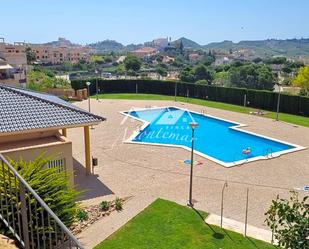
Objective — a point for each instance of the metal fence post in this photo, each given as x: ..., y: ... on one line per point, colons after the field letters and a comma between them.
x: 222, y: 196
x: 175, y: 91
x: 246, y: 217
x: 24, y: 217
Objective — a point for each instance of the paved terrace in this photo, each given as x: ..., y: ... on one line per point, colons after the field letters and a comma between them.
x: 146, y: 172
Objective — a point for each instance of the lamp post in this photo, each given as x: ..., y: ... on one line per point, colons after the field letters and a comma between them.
x: 278, y: 102
x: 193, y: 126
x: 88, y: 91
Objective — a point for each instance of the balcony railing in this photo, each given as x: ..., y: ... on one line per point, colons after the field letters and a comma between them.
x: 27, y: 216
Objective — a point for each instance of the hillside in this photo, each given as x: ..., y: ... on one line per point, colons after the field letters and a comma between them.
x: 107, y: 45
x: 187, y: 43
x: 289, y: 47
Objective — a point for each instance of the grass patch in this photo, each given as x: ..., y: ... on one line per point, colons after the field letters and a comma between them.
x: 293, y: 119
x: 165, y: 225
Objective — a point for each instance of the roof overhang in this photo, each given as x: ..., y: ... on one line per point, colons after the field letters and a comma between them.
x: 2, y: 134
x: 7, y: 66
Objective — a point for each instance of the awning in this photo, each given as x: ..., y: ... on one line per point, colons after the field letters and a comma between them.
x: 7, y: 66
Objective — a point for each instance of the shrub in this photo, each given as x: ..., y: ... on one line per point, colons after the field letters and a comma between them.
x: 105, y: 205
x: 289, y: 221
x: 118, y: 204
x: 51, y: 185
x: 82, y: 215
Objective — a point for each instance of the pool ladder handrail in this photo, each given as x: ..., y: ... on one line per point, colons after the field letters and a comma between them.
x: 139, y: 128
x: 269, y: 153
x: 204, y: 112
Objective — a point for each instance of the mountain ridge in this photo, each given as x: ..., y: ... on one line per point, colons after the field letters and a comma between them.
x: 262, y: 48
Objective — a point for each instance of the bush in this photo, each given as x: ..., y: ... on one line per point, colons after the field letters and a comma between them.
x: 118, y: 204
x: 82, y: 215
x: 289, y: 221
x: 105, y: 205
x: 51, y: 185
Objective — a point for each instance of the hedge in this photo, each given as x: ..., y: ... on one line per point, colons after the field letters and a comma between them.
x: 265, y: 100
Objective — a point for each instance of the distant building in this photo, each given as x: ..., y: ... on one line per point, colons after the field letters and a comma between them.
x: 157, y: 43
x: 48, y: 54
x: 194, y: 57
x: 13, y: 63
x: 167, y: 59
x: 222, y: 60
x: 144, y: 52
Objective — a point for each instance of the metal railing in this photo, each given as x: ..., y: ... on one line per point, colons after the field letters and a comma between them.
x: 27, y: 216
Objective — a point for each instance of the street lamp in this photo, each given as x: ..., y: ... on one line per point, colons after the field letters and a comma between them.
x: 193, y: 126
x: 278, y: 101
x: 88, y: 91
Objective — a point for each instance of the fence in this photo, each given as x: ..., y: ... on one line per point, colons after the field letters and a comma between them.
x: 27, y: 216
x: 266, y: 100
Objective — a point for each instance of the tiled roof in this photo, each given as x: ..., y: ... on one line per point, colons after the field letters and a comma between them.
x: 22, y: 110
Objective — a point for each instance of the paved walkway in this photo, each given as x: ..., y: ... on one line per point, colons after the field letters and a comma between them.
x: 106, y: 226
x: 147, y: 172
x: 239, y: 227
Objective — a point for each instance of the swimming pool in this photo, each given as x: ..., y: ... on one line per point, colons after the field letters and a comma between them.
x: 219, y: 140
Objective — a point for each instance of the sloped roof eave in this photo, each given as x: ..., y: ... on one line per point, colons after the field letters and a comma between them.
x: 49, y: 128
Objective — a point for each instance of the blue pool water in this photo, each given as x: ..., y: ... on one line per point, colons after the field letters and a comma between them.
x: 213, y: 137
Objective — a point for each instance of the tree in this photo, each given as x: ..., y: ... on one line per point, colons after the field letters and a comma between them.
x: 202, y: 73
x: 67, y: 66
x: 289, y: 221
x: 161, y: 71
x: 178, y: 62
x: 254, y: 76
x: 276, y: 60
x: 208, y: 60
x: 133, y: 63
x: 159, y: 58
x: 186, y: 74
x: 222, y: 78
x: 257, y: 60
x: 181, y: 47
x: 302, y: 79
x: 98, y: 59
x: 30, y: 55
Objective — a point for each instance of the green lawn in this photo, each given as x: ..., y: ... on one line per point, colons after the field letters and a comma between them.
x: 294, y: 119
x: 167, y: 225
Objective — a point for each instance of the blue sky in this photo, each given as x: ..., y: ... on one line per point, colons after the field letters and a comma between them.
x: 136, y: 21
